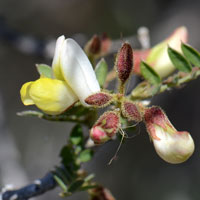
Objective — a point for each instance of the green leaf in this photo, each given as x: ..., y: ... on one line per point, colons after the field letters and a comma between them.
x: 67, y: 155
x: 86, y: 155
x: 191, y: 54
x: 149, y: 74
x: 60, y: 183
x: 76, y: 136
x: 179, y: 61
x: 101, y: 71
x: 44, y: 70
x: 75, y: 185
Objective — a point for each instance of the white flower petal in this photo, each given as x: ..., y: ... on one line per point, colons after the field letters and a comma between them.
x: 173, y: 148
x: 78, y: 71
x: 56, y: 60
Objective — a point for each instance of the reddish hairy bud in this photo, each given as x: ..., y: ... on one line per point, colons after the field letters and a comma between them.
x: 107, y: 125
x: 98, y: 135
x: 101, y: 193
x: 124, y: 62
x: 100, y: 99
x: 131, y: 111
x: 94, y: 45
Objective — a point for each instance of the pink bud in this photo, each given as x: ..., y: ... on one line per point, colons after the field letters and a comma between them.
x: 131, y: 111
x: 171, y: 145
x: 100, y: 99
x: 124, y: 62
x: 98, y: 135
x: 95, y: 45
x: 105, y: 127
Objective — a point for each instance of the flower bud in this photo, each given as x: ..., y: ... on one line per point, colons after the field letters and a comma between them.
x: 101, y: 193
x: 98, y: 135
x: 94, y: 45
x: 171, y: 145
x: 131, y: 111
x: 124, y: 62
x: 107, y: 125
x: 100, y: 99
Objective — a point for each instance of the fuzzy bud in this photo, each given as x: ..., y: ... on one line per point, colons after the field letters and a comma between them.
x: 100, y: 99
x: 131, y: 111
x: 98, y: 135
x: 124, y: 62
x: 101, y: 193
x: 171, y: 145
x: 107, y: 125
x: 93, y: 47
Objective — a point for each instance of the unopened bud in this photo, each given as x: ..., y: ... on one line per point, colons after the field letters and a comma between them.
x: 107, y: 125
x: 124, y: 62
x: 101, y: 193
x: 93, y: 47
x: 100, y: 99
x: 171, y: 145
x: 98, y: 135
x: 131, y: 111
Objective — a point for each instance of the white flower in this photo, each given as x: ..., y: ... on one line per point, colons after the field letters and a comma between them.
x: 174, y: 147
x: 171, y: 145
x: 71, y: 64
x: 73, y: 79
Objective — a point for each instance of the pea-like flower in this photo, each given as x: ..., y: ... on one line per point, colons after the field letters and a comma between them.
x: 73, y: 79
x: 158, y: 57
x: 171, y: 145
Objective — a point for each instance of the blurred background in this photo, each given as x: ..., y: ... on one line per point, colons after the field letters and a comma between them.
x: 29, y: 147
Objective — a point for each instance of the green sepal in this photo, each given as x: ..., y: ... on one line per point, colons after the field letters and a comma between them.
x: 44, y: 70
x: 86, y: 155
x: 191, y: 54
x: 179, y: 61
x: 149, y: 74
x: 101, y: 71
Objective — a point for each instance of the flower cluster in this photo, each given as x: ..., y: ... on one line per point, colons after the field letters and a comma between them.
x: 73, y: 79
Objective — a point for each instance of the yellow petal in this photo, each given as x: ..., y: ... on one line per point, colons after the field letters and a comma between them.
x: 51, y: 95
x: 24, y: 92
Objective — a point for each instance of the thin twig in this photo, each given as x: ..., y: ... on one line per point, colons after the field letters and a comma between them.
x: 39, y: 186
